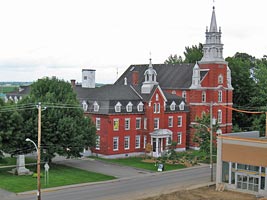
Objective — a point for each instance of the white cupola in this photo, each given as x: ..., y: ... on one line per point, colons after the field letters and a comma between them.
x: 150, y: 79
x: 196, y: 77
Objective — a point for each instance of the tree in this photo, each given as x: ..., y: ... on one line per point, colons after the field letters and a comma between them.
x: 193, y: 54
x: 174, y: 59
x: 65, y: 129
x: 202, y: 135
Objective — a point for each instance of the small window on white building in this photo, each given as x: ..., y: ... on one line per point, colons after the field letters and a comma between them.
x: 219, y: 116
x: 180, y: 121
x: 97, y: 123
x: 203, y: 96
x: 97, y: 142
x: 96, y: 107
x: 179, y: 138
x: 156, y: 123
x: 118, y: 107
x: 127, y: 142
x: 172, y: 106
x: 127, y: 123
x: 170, y: 121
x: 140, y: 107
x: 129, y: 107
x: 181, y: 106
x: 137, y: 141
x: 115, y: 143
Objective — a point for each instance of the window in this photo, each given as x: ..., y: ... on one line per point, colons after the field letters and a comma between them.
x: 203, y: 96
x: 172, y: 106
x: 115, y: 143
x: 156, y: 108
x: 127, y: 142
x: 85, y: 106
x: 156, y: 123
x: 97, y: 123
x: 184, y: 95
x: 219, y: 96
x: 138, y: 123
x: 144, y: 141
x: 219, y: 116
x: 85, y: 78
x: 129, y: 107
x: 137, y: 141
x: 181, y: 106
x: 179, y: 138
x: 157, y: 97
x: 97, y: 142
x: 170, y: 121
x: 118, y: 107
x: 169, y: 140
x: 115, y: 124
x: 180, y: 121
x: 145, y: 123
x: 127, y: 124
x: 96, y: 107
x: 140, y: 107
x: 220, y: 79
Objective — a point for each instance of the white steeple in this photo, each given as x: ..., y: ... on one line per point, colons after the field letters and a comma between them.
x: 150, y: 79
x: 213, y: 48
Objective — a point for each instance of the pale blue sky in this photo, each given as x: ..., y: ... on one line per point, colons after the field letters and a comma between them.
x: 61, y: 37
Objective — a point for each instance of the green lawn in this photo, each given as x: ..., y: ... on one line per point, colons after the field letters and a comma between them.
x: 59, y: 175
x: 137, y: 162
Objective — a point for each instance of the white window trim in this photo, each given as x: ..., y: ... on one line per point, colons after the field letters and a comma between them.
x: 181, y: 106
x: 219, y: 116
x: 85, y: 106
x: 179, y: 141
x: 129, y: 123
x: 96, y: 107
x: 220, y: 79
x: 114, y: 120
x: 97, y: 146
x: 145, y: 141
x: 118, y: 107
x: 97, y: 123
x: 117, y: 140
x: 140, y: 107
x: 140, y: 123
x: 145, y: 123
x: 129, y: 107
x: 128, y: 138
x: 220, y: 96
x: 156, y: 119
x: 172, y: 106
x: 137, y: 144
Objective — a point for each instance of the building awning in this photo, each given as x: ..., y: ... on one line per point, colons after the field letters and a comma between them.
x: 161, y: 133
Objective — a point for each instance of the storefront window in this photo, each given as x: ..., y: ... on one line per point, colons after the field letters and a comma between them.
x: 225, y: 172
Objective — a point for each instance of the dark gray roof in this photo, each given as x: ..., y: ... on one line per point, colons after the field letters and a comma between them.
x: 169, y: 76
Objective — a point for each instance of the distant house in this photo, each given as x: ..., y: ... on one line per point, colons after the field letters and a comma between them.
x: 242, y: 163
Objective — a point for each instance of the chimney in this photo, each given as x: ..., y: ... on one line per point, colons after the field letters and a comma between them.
x: 135, y: 77
x: 72, y: 81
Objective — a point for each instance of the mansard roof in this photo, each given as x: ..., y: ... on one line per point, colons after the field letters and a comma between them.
x: 169, y: 76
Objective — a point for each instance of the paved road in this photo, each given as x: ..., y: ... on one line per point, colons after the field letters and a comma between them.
x: 103, y: 167
x: 129, y: 188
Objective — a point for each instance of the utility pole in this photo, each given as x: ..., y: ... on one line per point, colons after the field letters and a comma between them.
x: 211, y: 138
x: 39, y: 153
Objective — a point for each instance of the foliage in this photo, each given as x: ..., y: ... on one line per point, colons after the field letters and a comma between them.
x: 202, y: 135
x: 192, y: 54
x: 64, y: 128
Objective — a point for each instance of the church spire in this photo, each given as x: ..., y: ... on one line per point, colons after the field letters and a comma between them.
x: 213, y: 47
x: 213, y: 23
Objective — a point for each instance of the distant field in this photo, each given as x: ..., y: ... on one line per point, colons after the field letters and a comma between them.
x: 6, y: 89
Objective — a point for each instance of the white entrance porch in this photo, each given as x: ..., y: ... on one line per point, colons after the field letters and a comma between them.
x: 158, y: 141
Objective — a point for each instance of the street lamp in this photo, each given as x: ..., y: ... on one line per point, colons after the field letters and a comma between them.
x: 38, y: 168
x: 212, y: 122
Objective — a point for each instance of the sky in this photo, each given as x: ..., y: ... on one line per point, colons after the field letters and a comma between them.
x: 40, y: 38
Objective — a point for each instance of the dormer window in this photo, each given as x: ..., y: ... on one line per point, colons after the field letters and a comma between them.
x: 96, y: 107
x: 220, y: 79
x: 181, y: 106
x: 129, y: 107
x: 118, y: 107
x: 172, y: 107
x: 140, y: 107
x: 85, y: 106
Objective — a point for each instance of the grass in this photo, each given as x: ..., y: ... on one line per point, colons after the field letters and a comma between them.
x: 59, y: 175
x: 137, y: 163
